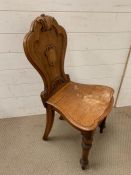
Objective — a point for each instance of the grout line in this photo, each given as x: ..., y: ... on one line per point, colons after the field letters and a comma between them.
x: 59, y: 11
x: 21, y: 33
x: 93, y: 65
x: 31, y: 68
x: 99, y: 49
x: 24, y: 96
x: 89, y: 50
x: 15, y: 84
x: 11, y: 52
x: 93, y: 78
x: 97, y: 77
x: 127, y: 88
x: 16, y: 69
x: 4, y: 116
x: 19, y: 96
x: 75, y: 50
x: 102, y: 32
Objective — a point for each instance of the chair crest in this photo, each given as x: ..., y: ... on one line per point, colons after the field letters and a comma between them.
x: 46, y: 22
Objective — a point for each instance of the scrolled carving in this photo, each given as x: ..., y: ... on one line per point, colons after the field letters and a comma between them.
x: 50, y: 53
x: 46, y: 22
x: 45, y: 46
x: 58, y: 82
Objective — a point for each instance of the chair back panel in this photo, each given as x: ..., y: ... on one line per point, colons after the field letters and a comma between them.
x: 45, y: 47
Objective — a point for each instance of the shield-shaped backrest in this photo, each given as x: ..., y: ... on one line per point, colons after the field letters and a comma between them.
x: 45, y: 47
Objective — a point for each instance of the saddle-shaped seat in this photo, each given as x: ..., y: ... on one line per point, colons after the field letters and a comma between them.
x: 84, y: 106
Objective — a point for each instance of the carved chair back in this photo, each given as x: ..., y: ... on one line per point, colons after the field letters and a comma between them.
x: 45, y: 47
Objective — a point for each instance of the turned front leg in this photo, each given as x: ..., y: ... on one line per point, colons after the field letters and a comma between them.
x: 87, y: 138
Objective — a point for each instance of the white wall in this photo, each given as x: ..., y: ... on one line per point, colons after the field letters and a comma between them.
x: 124, y: 98
x: 99, y: 33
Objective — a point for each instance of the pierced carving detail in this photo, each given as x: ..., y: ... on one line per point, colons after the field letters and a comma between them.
x: 48, y: 36
x: 50, y: 53
x: 59, y: 81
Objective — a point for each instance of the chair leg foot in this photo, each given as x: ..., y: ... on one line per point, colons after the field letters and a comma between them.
x: 102, y: 125
x: 61, y: 117
x: 49, y: 122
x: 87, y: 138
x: 83, y: 164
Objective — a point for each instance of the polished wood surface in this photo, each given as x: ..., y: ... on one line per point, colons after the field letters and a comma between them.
x: 87, y: 138
x: 50, y: 119
x: 84, y: 106
x: 45, y: 47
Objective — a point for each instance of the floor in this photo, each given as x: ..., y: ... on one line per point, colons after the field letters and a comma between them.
x: 23, y: 152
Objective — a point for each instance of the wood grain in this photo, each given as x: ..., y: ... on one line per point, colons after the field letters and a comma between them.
x: 84, y: 106
x: 94, y: 16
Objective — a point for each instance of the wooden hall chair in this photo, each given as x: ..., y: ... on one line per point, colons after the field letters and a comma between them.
x: 85, y: 107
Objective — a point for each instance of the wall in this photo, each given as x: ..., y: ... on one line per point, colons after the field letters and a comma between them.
x: 99, y: 35
x: 124, y: 98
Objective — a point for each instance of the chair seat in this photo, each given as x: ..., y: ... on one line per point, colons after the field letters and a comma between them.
x: 84, y: 106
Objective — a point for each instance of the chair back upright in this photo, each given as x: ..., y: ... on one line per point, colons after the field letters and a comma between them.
x: 45, y: 47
